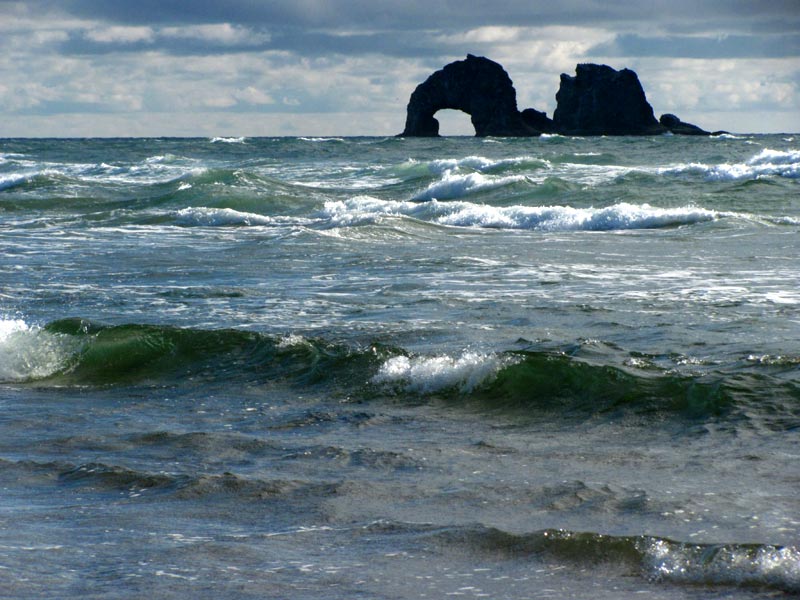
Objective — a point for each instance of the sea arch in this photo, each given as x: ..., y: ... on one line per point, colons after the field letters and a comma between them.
x: 477, y: 86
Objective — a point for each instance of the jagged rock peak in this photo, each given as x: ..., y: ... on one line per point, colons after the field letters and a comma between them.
x: 600, y: 100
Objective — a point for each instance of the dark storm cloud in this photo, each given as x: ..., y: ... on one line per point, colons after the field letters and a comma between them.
x: 418, y: 28
x: 673, y: 15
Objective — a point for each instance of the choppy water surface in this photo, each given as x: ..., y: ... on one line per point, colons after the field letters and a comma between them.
x: 389, y: 368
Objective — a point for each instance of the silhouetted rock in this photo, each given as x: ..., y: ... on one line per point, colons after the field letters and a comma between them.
x: 479, y: 87
x: 678, y: 127
x: 600, y: 100
x: 538, y: 120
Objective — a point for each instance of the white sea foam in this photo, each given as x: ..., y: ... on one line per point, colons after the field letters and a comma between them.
x: 228, y: 140
x: 775, y: 157
x: 13, y: 180
x: 453, y: 185
x: 769, y: 565
x: 29, y: 353
x: 445, y: 166
x: 617, y: 217
x: 766, y: 163
x: 322, y: 139
x: 622, y: 216
x: 155, y: 169
x: 292, y: 341
x: 216, y: 217
x: 430, y: 374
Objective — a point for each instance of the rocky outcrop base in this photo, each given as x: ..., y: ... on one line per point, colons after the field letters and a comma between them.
x: 678, y: 127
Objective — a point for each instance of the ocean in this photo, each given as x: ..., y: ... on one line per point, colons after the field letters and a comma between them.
x: 390, y: 368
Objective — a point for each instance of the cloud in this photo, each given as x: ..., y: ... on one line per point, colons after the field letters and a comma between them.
x: 711, y: 46
x: 119, y: 34
x: 242, y: 66
x: 223, y: 34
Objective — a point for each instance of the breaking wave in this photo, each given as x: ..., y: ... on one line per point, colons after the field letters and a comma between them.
x: 483, y: 164
x: 31, y: 353
x: 79, y: 352
x: 655, y: 559
x: 777, y: 163
x: 219, y: 217
x: 426, y: 375
x: 455, y: 185
x: 228, y: 140
x: 622, y: 216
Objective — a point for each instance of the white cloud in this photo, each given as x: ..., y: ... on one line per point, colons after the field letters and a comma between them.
x: 121, y: 35
x: 219, y: 33
x: 63, y: 75
x: 744, y: 95
x: 251, y: 95
x: 47, y: 37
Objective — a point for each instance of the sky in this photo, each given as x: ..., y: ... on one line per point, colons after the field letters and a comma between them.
x: 81, y: 68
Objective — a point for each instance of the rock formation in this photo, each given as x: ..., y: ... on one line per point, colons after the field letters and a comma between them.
x: 675, y: 125
x: 600, y: 100
x: 538, y: 121
x: 479, y: 87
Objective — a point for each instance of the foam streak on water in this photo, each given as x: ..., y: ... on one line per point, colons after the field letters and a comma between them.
x: 382, y: 367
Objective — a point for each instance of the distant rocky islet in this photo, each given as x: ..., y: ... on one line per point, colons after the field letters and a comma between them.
x: 597, y: 100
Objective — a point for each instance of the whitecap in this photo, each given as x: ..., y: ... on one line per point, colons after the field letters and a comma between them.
x: 430, y: 374
x: 292, y: 340
x: 10, y: 181
x: 623, y: 216
x: 454, y: 186
x: 362, y: 210
x: 445, y: 166
x: 228, y: 140
x: 159, y: 159
x: 216, y: 217
x: 732, y: 565
x: 766, y: 163
x: 29, y: 353
x: 775, y: 157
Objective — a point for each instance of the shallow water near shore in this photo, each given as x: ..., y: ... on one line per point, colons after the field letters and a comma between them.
x: 400, y: 368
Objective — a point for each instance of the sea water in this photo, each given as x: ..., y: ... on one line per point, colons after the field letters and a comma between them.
x: 400, y: 368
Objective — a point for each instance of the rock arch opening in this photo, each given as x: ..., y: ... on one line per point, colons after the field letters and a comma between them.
x: 454, y: 122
